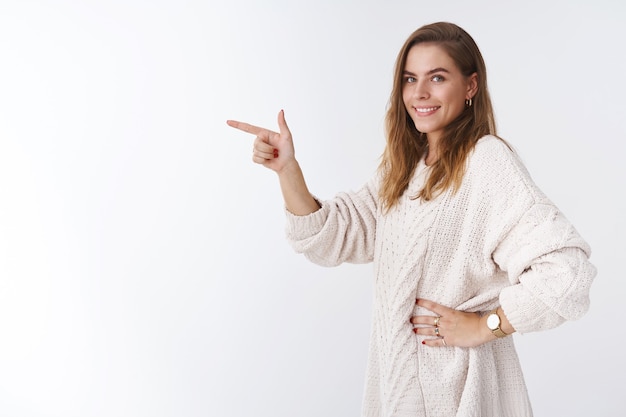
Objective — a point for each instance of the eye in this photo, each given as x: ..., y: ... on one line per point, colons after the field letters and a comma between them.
x: 438, y: 78
x: 409, y: 80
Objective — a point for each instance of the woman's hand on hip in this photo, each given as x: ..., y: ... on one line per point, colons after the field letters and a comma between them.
x: 449, y: 327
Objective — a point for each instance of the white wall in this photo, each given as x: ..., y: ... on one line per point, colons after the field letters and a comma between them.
x: 143, y: 265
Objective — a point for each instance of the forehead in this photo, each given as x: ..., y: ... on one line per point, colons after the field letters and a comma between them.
x: 425, y: 57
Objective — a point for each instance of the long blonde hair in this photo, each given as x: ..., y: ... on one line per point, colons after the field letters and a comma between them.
x: 406, y: 145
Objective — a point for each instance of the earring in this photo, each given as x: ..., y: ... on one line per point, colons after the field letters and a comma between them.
x: 468, y: 102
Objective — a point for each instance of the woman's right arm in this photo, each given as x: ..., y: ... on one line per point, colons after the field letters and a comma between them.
x: 343, y: 230
x: 328, y: 233
x: 275, y: 151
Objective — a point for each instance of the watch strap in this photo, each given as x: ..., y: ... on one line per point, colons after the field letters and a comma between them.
x: 498, y: 331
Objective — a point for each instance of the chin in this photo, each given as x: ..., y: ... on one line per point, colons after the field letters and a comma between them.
x: 423, y: 129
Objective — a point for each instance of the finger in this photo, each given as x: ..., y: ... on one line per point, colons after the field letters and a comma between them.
x: 261, y: 160
x: 432, y: 306
x: 258, y: 156
x: 428, y: 331
x: 282, y: 124
x: 438, y: 342
x: 437, y: 332
x: 426, y: 320
x: 262, y: 146
x: 246, y: 127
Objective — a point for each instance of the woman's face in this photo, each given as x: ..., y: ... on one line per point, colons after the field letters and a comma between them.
x: 434, y: 90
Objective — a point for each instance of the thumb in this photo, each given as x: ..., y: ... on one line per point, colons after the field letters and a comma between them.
x: 282, y: 124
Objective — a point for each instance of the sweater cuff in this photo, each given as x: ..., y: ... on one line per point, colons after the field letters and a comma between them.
x: 303, y: 227
x: 525, y: 312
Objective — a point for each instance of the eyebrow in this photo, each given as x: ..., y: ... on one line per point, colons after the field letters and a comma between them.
x: 432, y: 71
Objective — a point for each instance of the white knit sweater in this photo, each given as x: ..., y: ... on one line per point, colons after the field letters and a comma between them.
x: 497, y: 241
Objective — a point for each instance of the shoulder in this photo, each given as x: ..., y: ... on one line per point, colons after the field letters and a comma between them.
x: 493, y: 151
x: 493, y: 155
x: 495, y: 167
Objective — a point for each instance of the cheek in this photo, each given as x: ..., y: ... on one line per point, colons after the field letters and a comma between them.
x: 457, y: 97
x: 406, y: 99
x: 455, y: 103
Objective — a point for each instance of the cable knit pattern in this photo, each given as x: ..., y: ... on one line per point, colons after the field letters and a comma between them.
x: 496, y: 241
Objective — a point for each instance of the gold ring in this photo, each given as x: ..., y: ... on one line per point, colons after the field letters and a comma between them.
x: 436, y: 331
x: 437, y: 321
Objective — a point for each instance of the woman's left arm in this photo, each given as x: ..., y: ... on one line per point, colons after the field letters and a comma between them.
x: 544, y: 258
x: 548, y: 266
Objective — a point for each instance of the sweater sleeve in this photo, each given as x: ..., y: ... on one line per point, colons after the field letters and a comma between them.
x: 547, y: 263
x: 342, y: 230
x: 540, y: 252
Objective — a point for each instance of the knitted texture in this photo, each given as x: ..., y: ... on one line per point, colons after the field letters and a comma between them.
x: 497, y: 241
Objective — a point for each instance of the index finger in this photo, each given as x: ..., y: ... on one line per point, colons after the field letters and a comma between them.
x: 246, y: 127
x: 432, y: 306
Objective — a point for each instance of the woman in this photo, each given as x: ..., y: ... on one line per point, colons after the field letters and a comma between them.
x: 467, y: 250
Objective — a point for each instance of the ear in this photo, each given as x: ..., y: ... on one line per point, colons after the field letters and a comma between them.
x: 472, y: 85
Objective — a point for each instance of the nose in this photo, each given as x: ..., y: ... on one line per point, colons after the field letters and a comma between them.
x: 420, y: 90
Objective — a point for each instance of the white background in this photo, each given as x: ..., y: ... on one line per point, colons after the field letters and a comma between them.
x: 143, y: 265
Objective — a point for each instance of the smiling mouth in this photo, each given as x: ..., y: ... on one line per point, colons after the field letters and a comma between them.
x: 424, y: 110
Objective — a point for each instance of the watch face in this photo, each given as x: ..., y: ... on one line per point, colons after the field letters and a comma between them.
x: 493, y: 321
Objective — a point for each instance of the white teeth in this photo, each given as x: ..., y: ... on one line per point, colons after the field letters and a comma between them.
x: 425, y: 110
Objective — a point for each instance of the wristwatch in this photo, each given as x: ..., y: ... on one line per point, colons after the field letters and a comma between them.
x: 494, y: 322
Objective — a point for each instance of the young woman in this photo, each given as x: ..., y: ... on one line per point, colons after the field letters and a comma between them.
x: 467, y: 250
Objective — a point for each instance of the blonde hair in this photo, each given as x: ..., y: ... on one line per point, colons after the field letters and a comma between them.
x: 406, y: 145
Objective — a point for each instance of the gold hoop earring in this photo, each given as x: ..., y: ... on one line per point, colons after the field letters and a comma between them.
x: 468, y: 102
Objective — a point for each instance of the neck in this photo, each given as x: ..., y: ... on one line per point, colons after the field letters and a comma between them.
x: 432, y: 155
